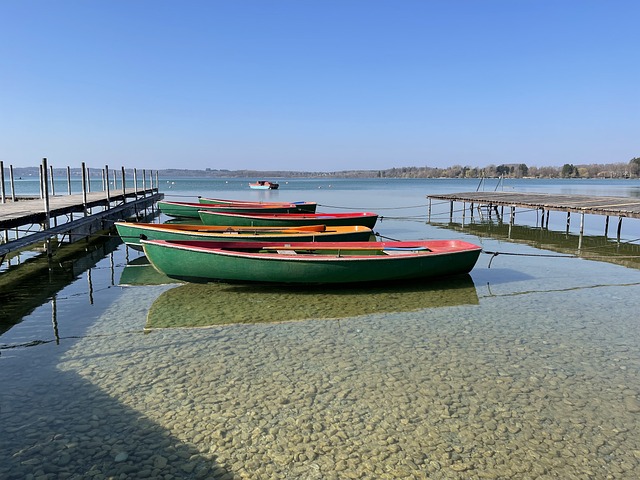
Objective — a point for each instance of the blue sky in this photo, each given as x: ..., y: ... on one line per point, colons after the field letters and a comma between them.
x: 319, y: 84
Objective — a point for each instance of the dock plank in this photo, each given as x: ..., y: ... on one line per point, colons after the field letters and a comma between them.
x: 594, y: 205
x: 32, y: 212
x: 22, y: 212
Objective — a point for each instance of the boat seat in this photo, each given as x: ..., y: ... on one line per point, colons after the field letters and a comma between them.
x: 287, y: 252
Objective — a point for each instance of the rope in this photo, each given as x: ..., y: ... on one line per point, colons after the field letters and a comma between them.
x: 377, y: 208
x: 549, y: 255
x: 386, y: 238
x: 495, y: 254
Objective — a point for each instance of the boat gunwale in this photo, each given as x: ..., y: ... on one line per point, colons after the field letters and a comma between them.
x: 301, y: 216
x: 248, y: 205
x: 236, y: 250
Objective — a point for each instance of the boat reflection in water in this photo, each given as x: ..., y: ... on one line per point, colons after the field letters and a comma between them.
x: 202, y: 305
x: 140, y: 272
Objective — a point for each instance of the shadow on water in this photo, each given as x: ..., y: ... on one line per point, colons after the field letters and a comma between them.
x: 201, y: 305
x: 593, y: 247
x: 59, y: 425
x: 56, y: 422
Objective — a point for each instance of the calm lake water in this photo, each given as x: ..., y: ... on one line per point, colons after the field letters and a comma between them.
x: 527, y: 368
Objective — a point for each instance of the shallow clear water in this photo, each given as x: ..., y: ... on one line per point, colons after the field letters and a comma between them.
x: 527, y: 368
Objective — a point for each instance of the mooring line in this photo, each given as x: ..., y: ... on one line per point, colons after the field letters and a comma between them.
x: 377, y: 208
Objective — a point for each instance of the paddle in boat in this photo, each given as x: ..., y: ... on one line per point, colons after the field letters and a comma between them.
x: 264, y: 185
x: 131, y: 233
x: 311, y: 262
x: 367, y: 219
x: 190, y: 210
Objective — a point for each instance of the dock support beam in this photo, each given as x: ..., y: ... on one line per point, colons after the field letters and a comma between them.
x: 2, y: 191
x: 45, y: 194
x: 619, y: 228
x: 581, y: 231
x: 106, y: 184
x: 124, y: 192
x: 84, y: 189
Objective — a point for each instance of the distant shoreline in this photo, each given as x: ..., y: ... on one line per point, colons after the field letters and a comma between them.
x: 629, y: 170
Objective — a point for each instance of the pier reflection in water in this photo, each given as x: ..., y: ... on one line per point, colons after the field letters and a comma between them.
x: 592, y: 247
x: 36, y: 281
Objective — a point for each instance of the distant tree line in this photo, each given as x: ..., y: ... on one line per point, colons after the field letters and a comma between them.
x: 630, y: 169
x: 520, y: 170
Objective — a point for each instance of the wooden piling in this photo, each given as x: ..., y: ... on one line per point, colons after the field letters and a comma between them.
x: 2, y: 191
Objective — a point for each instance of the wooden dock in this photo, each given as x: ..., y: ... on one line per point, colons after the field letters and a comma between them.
x: 31, y: 223
x: 609, y: 206
x: 620, y: 207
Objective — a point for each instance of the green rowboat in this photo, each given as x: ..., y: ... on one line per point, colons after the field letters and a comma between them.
x: 366, y: 219
x: 131, y: 233
x: 190, y: 210
x: 309, y: 262
x: 302, y: 206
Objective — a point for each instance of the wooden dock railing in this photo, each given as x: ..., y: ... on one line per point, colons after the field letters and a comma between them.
x: 24, y: 222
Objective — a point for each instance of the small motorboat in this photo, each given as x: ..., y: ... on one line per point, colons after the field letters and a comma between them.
x: 264, y: 185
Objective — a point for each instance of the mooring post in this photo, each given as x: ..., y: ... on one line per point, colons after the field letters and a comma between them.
x: 429, y: 211
x: 45, y: 192
x: 540, y: 216
x: 104, y: 188
x: 619, y: 228
x: 13, y: 185
x: 53, y: 187
x: 157, y: 180
x: 144, y: 181
x: 512, y: 218
x: 124, y: 192
x: 606, y: 226
x: 40, y: 178
x: 2, y: 180
x: 581, y: 231
x: 547, y: 221
x: 568, y: 221
x: 135, y: 184
x: 106, y: 185
x: 471, y: 211
x: 68, y: 180
x: 88, y: 179
x: 84, y: 190
x: 451, y: 211
x: 464, y: 212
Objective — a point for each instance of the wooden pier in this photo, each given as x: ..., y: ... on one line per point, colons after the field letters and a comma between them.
x: 29, y: 213
x: 619, y: 207
x: 24, y: 223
